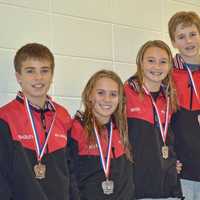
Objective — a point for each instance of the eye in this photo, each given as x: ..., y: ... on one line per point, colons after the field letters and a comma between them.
x: 100, y: 92
x: 150, y: 60
x: 180, y: 37
x: 29, y: 71
x: 114, y: 94
x: 164, y: 61
x: 193, y: 34
x: 45, y: 70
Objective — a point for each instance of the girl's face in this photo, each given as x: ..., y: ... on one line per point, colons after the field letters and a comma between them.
x: 105, y: 99
x: 155, y: 67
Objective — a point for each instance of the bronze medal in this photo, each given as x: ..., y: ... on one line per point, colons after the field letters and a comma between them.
x: 108, y: 187
x: 40, y: 170
x: 165, y: 152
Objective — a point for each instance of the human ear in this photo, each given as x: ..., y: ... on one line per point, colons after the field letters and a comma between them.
x: 174, y: 44
x: 18, y: 77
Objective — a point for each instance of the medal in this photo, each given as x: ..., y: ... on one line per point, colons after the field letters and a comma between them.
x: 165, y: 151
x: 107, y: 186
x: 198, y: 118
x: 40, y: 170
x: 163, y: 130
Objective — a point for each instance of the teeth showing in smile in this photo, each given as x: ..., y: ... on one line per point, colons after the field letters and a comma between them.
x: 156, y: 73
x: 38, y: 85
x: 190, y: 48
x: 106, y: 106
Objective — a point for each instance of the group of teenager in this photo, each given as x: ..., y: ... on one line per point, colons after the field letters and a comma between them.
x: 137, y: 140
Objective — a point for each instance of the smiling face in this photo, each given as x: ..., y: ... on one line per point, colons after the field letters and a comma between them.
x: 187, y: 41
x: 35, y: 78
x: 155, y: 67
x: 104, y: 98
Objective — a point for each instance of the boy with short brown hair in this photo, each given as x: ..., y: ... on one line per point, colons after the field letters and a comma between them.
x: 33, y: 133
x: 184, y: 31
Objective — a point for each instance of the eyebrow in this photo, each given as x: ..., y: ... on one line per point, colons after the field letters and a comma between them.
x: 32, y: 67
x: 150, y: 57
x: 99, y: 89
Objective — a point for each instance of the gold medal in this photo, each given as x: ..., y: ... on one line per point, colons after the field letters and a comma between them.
x: 40, y: 170
x: 165, y: 152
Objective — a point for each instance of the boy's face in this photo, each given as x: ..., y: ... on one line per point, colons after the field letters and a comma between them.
x: 35, y: 79
x: 187, y: 41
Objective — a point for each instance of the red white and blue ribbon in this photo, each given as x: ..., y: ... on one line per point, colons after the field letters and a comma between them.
x: 163, y: 130
x: 105, y: 160
x: 40, y: 149
x: 191, y: 79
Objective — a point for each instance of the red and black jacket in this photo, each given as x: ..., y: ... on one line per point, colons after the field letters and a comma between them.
x: 154, y: 176
x: 186, y: 122
x: 88, y: 169
x: 18, y: 153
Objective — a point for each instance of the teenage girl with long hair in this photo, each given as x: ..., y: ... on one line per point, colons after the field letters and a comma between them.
x: 99, y: 141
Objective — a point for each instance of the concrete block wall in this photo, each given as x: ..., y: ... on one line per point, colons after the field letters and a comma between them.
x: 84, y: 35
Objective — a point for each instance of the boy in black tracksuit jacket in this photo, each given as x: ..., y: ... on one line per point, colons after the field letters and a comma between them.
x: 184, y: 31
x: 33, y: 133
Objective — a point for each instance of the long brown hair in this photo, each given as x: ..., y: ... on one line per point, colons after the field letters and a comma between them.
x: 167, y: 82
x: 119, y: 115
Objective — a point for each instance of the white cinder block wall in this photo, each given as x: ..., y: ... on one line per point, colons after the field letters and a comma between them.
x: 84, y: 35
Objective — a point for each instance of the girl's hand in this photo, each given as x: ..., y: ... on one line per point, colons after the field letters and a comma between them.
x: 179, y: 166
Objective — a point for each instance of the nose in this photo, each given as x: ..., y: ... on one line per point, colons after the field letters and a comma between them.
x: 38, y: 75
x: 157, y: 64
x: 188, y: 39
x: 107, y: 98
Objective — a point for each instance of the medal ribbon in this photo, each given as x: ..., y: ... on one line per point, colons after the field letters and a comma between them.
x: 163, y: 131
x: 105, y: 161
x: 193, y: 83
x: 39, y: 149
x: 191, y: 79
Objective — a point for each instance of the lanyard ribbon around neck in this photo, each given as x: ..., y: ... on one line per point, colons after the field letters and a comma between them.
x: 40, y: 149
x: 163, y: 130
x: 191, y: 78
x: 105, y: 160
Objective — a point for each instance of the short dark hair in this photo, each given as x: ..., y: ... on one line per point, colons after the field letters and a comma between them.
x: 33, y: 51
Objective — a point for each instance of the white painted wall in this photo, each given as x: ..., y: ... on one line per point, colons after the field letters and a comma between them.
x: 84, y: 35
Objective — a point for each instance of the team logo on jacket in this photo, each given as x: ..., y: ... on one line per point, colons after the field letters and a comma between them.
x: 61, y: 135
x: 25, y: 136
x: 93, y: 146
x: 135, y: 109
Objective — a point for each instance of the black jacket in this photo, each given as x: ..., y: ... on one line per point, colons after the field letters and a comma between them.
x: 154, y: 176
x: 186, y: 122
x: 18, y: 154
x: 88, y: 169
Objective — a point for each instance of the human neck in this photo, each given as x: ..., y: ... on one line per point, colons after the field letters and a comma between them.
x: 152, y: 86
x: 192, y: 60
x: 40, y: 102
x: 102, y: 120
